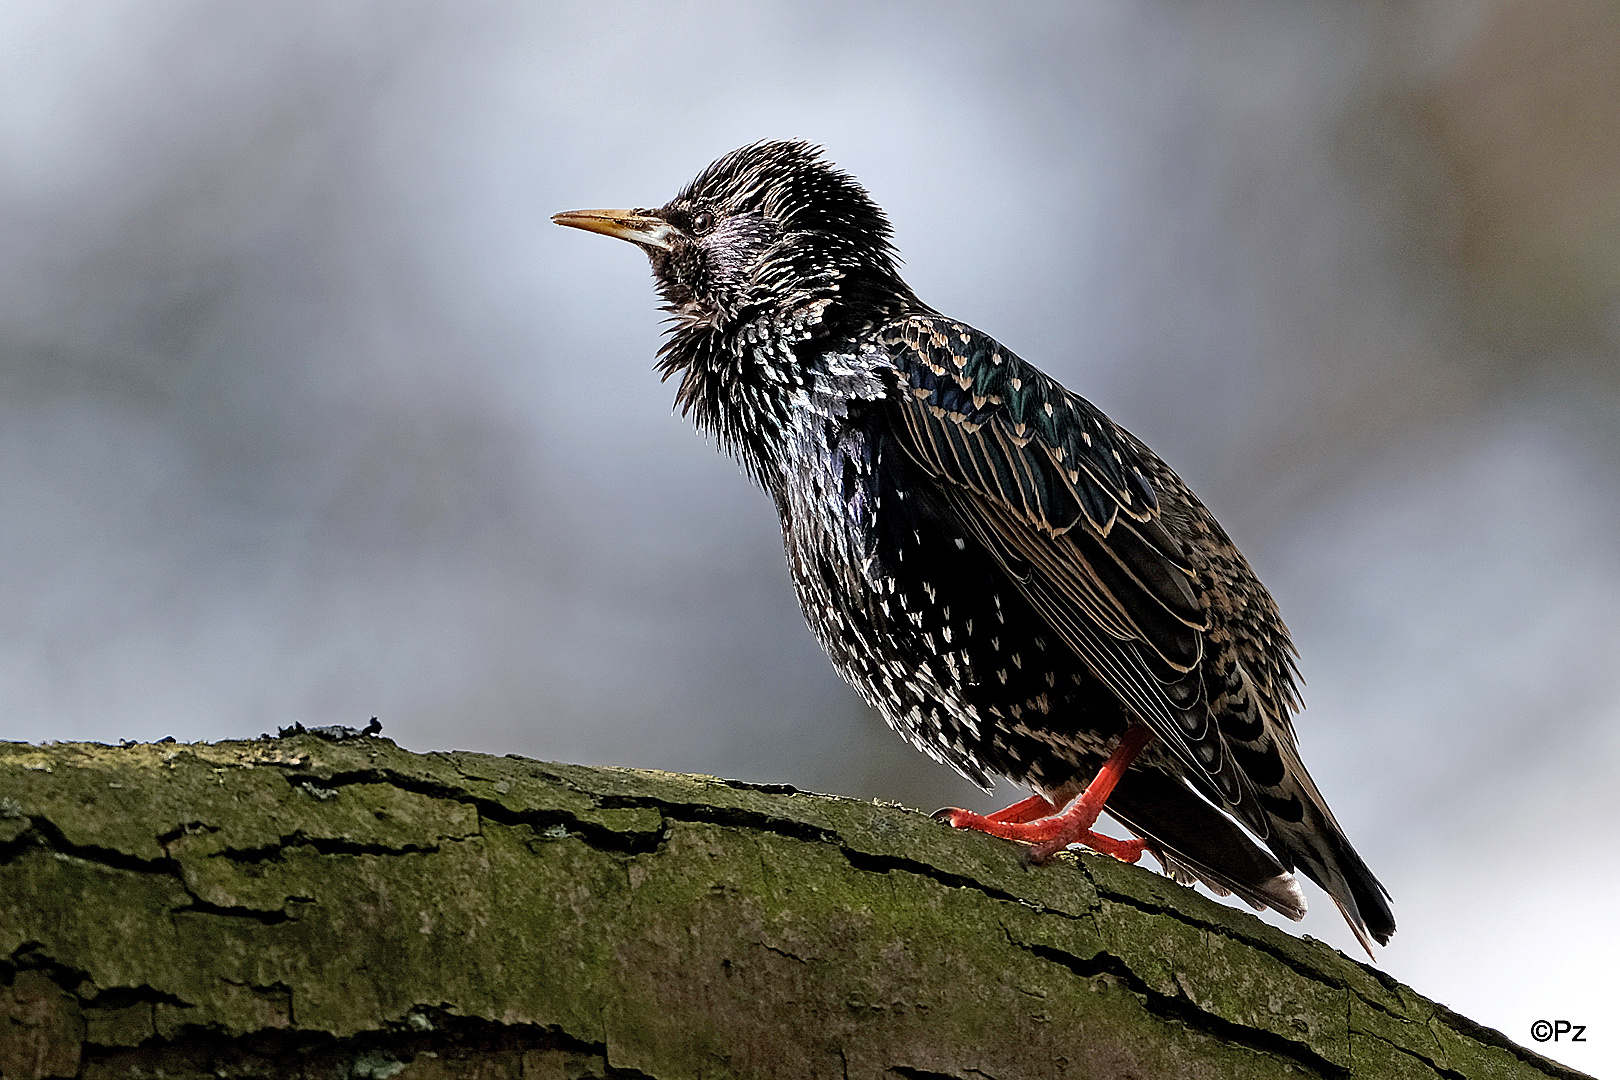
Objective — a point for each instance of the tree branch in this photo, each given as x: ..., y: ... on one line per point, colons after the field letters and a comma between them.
x: 303, y: 907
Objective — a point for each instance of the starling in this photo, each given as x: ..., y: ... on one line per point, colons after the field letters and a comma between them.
x: 1015, y: 582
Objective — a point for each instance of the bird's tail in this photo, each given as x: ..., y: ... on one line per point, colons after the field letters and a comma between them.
x: 1191, y: 838
x: 1317, y: 846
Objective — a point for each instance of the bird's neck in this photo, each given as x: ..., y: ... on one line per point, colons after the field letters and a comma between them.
x: 755, y: 383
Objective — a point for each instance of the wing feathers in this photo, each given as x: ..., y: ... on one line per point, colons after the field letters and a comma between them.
x: 1068, y: 505
x: 1047, y: 483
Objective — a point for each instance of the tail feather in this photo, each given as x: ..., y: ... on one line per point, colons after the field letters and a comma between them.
x: 1301, y: 830
x: 1316, y: 844
x: 1194, y: 840
x: 1321, y: 851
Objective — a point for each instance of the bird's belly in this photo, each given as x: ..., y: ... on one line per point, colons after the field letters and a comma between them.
x: 934, y: 635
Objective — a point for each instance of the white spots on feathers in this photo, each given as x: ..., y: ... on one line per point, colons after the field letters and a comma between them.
x: 902, y: 619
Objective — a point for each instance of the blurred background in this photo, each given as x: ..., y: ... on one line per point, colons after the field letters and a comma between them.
x: 307, y: 412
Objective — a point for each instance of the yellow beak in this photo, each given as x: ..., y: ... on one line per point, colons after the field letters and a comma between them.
x: 636, y: 226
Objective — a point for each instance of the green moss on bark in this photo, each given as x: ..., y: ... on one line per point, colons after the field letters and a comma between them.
x: 299, y: 907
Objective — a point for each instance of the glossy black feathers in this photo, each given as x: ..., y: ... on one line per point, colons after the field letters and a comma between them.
x: 1009, y: 577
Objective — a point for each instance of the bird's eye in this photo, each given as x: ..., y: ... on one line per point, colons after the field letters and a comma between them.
x: 702, y: 222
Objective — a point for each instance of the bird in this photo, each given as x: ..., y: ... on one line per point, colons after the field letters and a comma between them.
x: 1017, y: 584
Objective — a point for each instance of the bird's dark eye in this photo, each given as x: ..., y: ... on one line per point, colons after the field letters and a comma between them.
x: 702, y: 222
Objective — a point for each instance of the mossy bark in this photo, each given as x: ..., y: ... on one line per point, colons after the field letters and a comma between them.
x: 302, y: 907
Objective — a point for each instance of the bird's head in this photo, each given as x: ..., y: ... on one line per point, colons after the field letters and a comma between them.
x: 769, y: 230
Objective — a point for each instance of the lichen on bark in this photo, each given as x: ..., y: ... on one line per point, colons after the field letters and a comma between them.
x: 304, y: 907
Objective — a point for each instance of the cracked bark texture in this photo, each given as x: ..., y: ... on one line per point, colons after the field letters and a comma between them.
x: 298, y: 907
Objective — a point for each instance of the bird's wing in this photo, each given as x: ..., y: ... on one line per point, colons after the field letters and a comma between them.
x: 1064, y: 501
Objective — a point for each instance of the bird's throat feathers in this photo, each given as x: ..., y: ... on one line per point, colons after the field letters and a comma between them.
x: 744, y: 381
x: 781, y: 258
x: 737, y: 380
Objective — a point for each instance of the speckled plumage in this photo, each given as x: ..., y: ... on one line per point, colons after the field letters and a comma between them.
x: 1011, y: 579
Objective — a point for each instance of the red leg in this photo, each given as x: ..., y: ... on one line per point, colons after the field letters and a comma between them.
x: 1031, y: 809
x: 1052, y: 833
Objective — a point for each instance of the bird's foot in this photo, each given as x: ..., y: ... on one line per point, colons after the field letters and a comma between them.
x: 1032, y: 821
x: 1049, y: 835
